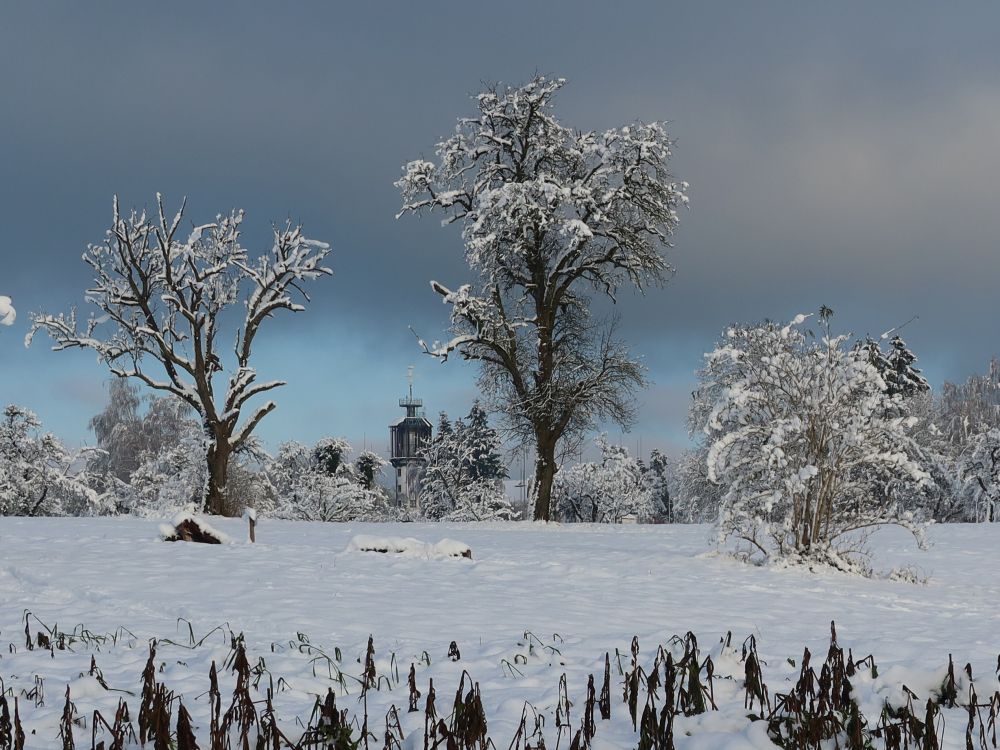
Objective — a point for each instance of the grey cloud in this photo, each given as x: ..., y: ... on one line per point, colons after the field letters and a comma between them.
x: 838, y: 154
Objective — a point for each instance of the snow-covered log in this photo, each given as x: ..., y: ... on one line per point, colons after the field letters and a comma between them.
x: 187, y: 527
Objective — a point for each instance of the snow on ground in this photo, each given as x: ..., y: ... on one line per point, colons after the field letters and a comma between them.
x: 577, y: 591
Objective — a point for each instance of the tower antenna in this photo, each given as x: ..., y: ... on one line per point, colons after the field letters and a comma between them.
x: 409, y: 379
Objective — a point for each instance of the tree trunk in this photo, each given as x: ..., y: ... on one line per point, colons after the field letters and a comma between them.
x: 218, y: 473
x: 545, y: 474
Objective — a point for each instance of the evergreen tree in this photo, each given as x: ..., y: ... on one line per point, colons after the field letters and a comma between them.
x: 482, y: 446
x: 656, y: 475
x: 896, y: 367
x: 368, y: 466
x: 463, y: 479
x: 329, y: 454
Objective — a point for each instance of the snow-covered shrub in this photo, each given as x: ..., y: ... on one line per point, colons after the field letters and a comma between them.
x: 38, y: 476
x: 800, y: 429
x: 317, y: 484
x: 603, y: 492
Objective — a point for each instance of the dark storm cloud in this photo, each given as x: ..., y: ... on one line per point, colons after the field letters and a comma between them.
x: 839, y: 154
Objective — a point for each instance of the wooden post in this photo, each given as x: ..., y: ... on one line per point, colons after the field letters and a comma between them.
x: 251, y: 516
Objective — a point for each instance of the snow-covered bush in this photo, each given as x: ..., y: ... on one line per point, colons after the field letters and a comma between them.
x: 603, y: 492
x: 800, y: 429
x: 38, y: 476
x: 463, y: 477
x: 317, y: 484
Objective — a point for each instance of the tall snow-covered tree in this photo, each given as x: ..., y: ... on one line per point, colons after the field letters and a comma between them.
x: 116, y: 428
x: 550, y: 215
x: 940, y: 498
x: 605, y: 491
x: 903, y: 377
x: 37, y: 475
x: 481, y: 446
x: 800, y: 428
x: 329, y: 454
x: 161, y: 302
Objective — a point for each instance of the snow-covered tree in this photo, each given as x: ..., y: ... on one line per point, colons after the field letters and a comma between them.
x: 980, y: 476
x: 897, y: 367
x: 169, y: 479
x: 800, y: 429
x: 464, y: 472
x: 605, y: 491
x: 161, y: 301
x: 132, y: 429
x: 330, y: 454
x: 306, y: 488
x: 368, y: 466
x: 550, y: 215
x: 657, y: 475
x: 970, y: 408
x: 37, y: 474
x: 7, y: 312
x: 696, y: 499
x: 940, y: 498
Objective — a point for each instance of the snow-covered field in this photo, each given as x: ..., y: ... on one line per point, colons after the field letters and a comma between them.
x: 581, y: 590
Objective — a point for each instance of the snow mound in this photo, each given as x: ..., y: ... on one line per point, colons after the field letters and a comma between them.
x: 188, y: 527
x: 409, y: 547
